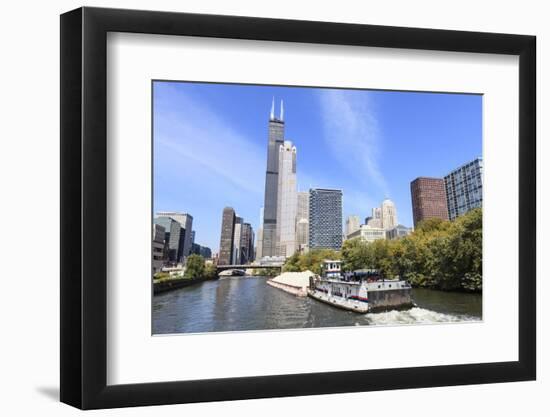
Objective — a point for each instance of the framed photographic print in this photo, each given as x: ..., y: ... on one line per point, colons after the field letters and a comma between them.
x: 257, y: 208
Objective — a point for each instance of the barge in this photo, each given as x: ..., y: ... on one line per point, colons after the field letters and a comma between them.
x: 363, y: 291
x: 295, y: 283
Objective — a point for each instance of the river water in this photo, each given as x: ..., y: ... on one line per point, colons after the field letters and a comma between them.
x: 248, y: 303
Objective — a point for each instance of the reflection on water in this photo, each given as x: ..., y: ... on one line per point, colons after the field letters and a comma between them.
x: 248, y: 303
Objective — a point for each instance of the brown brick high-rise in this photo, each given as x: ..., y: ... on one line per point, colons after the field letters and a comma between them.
x: 429, y: 199
x: 226, y: 238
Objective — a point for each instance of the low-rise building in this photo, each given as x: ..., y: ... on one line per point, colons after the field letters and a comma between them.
x: 272, y: 261
x: 368, y: 233
x: 352, y: 224
x: 398, y: 231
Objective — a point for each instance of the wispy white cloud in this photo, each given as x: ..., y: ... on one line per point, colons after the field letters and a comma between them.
x: 352, y: 133
x: 205, y: 140
x: 203, y: 163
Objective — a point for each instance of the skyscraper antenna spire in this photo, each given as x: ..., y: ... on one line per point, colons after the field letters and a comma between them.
x: 282, y: 110
x: 272, y: 115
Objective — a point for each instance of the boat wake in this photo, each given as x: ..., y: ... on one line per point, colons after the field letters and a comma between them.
x: 415, y: 315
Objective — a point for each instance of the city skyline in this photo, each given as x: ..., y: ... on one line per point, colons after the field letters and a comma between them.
x: 209, y: 154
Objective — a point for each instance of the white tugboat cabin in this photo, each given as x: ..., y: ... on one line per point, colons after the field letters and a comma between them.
x: 359, y: 291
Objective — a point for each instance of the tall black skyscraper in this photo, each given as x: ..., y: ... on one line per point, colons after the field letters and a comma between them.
x: 275, y: 139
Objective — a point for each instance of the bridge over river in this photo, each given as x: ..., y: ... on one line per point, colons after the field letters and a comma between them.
x: 277, y: 265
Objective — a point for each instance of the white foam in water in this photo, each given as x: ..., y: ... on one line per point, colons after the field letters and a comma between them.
x: 415, y: 315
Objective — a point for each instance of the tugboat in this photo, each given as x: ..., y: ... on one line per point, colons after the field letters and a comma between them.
x: 362, y: 291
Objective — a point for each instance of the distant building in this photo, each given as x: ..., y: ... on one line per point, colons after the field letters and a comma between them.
x: 186, y: 222
x: 272, y: 261
x: 159, y: 256
x: 260, y: 237
x: 237, y: 240
x: 286, y: 200
x: 376, y: 223
x: 236, y: 257
x: 429, y: 199
x: 383, y: 217
x: 376, y: 217
x: 464, y: 188
x: 259, y: 241
x: 388, y: 214
x: 247, y: 244
x: 175, y: 238
x: 352, y: 225
x: 205, y: 252
x: 302, y: 206
x: 325, y: 219
x: 302, y: 235
x: 302, y: 221
x: 225, y: 256
x: 368, y: 233
x: 398, y: 231
x: 195, y: 249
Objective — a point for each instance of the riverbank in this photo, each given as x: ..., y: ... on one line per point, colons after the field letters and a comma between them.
x: 176, y: 283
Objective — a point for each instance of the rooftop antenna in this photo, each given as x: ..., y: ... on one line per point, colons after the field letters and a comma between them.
x: 282, y: 110
x: 272, y: 116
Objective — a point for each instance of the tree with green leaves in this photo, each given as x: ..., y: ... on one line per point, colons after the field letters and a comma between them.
x: 210, y: 271
x: 310, y: 260
x: 442, y: 254
x: 194, y: 268
x: 439, y: 254
x: 292, y: 264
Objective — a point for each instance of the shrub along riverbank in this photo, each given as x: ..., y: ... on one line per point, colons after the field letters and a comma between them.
x: 439, y: 254
x: 196, y: 271
x: 196, y: 268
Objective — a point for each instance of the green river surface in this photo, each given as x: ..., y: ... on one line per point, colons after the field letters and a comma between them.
x: 248, y: 303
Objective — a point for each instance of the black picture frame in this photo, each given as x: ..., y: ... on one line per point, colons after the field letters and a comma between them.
x: 84, y: 207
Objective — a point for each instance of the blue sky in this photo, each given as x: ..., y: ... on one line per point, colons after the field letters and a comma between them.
x: 210, y: 146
